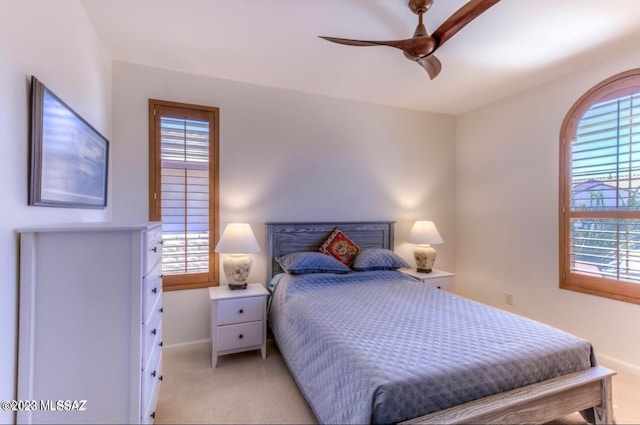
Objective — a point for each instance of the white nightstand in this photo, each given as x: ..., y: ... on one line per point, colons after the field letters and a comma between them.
x: 238, y: 320
x: 437, y: 278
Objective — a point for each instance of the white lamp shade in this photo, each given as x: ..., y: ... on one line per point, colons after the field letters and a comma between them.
x: 237, y: 238
x: 424, y: 233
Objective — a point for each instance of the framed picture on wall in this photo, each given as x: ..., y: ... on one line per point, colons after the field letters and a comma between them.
x: 69, y: 159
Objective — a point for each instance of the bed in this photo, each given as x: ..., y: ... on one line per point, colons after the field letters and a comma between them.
x: 378, y: 347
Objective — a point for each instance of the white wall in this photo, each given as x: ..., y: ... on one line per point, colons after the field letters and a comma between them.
x: 507, y: 212
x: 56, y: 42
x: 284, y: 156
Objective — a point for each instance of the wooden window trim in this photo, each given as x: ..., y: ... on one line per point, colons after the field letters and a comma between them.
x: 208, y: 113
x: 619, y: 85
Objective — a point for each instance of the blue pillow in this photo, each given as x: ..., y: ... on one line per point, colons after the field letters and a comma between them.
x: 377, y: 259
x: 310, y: 262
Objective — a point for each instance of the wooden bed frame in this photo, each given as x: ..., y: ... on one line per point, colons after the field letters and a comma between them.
x: 536, y: 403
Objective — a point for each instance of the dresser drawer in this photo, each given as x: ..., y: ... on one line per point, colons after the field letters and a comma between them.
x: 152, y: 294
x: 149, y: 414
x: 240, y: 310
x: 153, y: 248
x: 151, y: 336
x: 232, y: 337
x: 152, y: 377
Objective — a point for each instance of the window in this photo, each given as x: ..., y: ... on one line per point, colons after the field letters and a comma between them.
x: 183, y: 190
x: 600, y: 191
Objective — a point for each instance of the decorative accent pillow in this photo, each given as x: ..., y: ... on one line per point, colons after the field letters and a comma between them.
x: 377, y: 259
x: 339, y: 246
x: 310, y: 262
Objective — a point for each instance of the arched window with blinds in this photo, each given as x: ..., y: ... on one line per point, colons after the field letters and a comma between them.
x: 183, y: 188
x: 600, y: 191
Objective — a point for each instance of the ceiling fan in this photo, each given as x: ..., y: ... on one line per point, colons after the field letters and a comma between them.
x: 421, y: 47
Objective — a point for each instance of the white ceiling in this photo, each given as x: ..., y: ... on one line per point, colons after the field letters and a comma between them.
x: 515, y: 45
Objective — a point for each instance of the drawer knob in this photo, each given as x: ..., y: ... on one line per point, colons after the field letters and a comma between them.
x: 161, y: 344
x: 154, y: 291
x: 160, y: 378
x: 153, y: 415
x: 162, y: 242
x: 241, y: 311
x: 153, y: 374
x: 240, y: 336
x: 153, y: 332
x: 154, y: 249
x: 161, y: 309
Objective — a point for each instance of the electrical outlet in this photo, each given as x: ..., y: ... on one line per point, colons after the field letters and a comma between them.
x: 508, y: 298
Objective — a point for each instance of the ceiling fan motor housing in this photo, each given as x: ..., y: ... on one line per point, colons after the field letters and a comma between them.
x: 420, y: 6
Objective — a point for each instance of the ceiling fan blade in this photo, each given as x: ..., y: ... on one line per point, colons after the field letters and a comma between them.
x: 459, y: 19
x: 431, y: 64
x: 349, y: 42
x: 415, y: 46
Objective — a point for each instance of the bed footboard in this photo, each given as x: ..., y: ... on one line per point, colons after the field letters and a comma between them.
x: 536, y: 403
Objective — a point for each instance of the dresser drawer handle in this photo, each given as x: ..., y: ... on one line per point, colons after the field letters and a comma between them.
x: 153, y: 332
x: 153, y: 415
x: 240, y: 336
x: 162, y: 242
x: 153, y: 374
x: 161, y: 344
x: 161, y: 310
x: 241, y: 311
x: 154, y: 291
x: 154, y: 249
x: 160, y: 378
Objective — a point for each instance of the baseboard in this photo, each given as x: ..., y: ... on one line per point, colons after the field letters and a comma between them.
x: 618, y: 365
x: 191, y: 345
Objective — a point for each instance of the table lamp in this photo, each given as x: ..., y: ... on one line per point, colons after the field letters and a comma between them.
x: 424, y: 234
x: 237, y: 240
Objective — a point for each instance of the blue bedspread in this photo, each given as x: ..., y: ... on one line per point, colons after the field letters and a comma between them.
x: 380, y: 347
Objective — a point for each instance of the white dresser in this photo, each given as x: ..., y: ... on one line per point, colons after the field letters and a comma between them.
x: 90, y: 323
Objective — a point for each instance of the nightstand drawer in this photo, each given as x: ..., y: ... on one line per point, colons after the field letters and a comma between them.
x: 440, y: 283
x: 240, y: 310
x: 439, y: 279
x: 232, y: 337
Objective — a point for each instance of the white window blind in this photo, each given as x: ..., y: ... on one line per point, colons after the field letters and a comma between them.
x: 184, y: 153
x: 605, y: 199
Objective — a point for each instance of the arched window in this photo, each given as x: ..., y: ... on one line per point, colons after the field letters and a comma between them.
x: 600, y: 191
